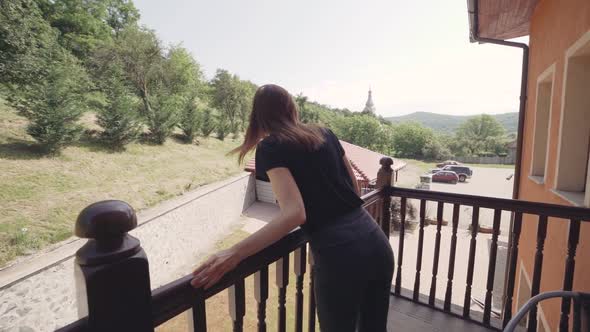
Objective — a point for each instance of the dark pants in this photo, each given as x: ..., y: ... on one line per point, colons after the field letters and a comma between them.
x: 352, y: 274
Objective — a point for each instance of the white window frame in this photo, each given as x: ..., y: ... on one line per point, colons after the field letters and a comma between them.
x: 574, y: 197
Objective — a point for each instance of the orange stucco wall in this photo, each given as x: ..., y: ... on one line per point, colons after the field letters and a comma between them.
x: 555, y: 26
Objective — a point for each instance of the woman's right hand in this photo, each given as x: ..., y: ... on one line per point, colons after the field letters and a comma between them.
x: 214, y: 268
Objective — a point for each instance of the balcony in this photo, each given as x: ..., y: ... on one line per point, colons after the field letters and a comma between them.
x: 431, y: 290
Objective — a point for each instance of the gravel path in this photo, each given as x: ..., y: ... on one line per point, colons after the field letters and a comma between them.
x: 176, y: 235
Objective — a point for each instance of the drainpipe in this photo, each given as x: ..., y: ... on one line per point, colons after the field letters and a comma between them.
x: 472, y: 7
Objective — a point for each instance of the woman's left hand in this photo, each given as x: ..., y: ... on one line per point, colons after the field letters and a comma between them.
x: 214, y: 268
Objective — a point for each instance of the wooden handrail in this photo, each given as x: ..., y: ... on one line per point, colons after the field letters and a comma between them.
x: 178, y: 296
x: 372, y: 197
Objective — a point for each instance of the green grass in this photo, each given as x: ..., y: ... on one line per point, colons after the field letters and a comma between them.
x: 420, y: 164
x: 41, y: 196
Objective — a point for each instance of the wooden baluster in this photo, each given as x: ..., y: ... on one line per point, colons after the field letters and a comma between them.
x: 261, y: 295
x: 197, y: 319
x: 299, y: 266
x: 471, y: 261
x: 311, y: 309
x: 516, y: 227
x: 374, y: 213
x: 400, y: 253
x: 568, y: 278
x: 419, y: 254
x: 282, y: 280
x: 439, y: 217
x: 537, y: 269
x: 492, y: 267
x: 451, y: 272
x: 577, y: 325
x: 237, y: 305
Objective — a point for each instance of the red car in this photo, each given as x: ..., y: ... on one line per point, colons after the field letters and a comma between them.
x: 445, y: 176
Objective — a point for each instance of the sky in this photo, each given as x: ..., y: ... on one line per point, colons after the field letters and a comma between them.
x: 414, y: 55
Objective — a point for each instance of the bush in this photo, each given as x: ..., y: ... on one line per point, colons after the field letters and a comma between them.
x: 190, y: 120
x: 54, y: 103
x: 411, y: 214
x: 435, y: 150
x: 486, y: 154
x: 223, y: 127
x: 118, y: 115
x: 161, y: 116
x: 208, y: 123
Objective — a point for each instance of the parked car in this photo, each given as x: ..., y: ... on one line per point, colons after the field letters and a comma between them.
x: 463, y: 172
x: 447, y: 162
x: 445, y: 176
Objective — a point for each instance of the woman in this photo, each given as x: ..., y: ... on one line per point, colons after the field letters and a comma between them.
x: 317, y: 191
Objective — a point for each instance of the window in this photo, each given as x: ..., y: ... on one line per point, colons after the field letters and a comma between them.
x: 542, y: 121
x: 574, y: 146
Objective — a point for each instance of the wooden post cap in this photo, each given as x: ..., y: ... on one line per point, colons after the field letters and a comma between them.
x: 105, y: 220
x: 386, y: 162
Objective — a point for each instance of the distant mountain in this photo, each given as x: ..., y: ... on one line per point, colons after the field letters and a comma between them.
x: 449, y: 123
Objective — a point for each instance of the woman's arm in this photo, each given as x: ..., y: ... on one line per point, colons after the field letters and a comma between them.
x: 355, y: 183
x: 292, y: 214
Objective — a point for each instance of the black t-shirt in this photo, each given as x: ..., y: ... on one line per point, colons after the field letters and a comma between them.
x: 322, y: 178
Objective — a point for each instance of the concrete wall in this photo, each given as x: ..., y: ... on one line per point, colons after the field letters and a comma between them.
x: 508, y: 160
x: 264, y: 192
x: 556, y: 25
x: 176, y: 235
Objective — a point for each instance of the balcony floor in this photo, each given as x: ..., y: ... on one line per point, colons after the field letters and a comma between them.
x: 405, y: 315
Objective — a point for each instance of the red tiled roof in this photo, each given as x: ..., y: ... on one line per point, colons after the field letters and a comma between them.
x: 365, y: 162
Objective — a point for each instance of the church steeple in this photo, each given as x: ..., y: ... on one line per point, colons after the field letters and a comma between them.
x: 369, y: 106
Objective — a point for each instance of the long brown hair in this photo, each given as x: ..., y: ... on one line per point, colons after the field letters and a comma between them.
x: 275, y: 113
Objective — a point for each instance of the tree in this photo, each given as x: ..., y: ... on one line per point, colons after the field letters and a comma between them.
x: 183, y: 78
x: 45, y: 83
x: 435, y: 149
x: 86, y: 24
x: 479, y: 134
x: 54, y: 103
x: 208, y: 123
x: 26, y: 52
x: 410, y: 138
x: 117, y: 115
x: 190, y: 120
x: 227, y: 98
x: 223, y: 126
x: 247, y: 91
x: 306, y: 114
x: 165, y: 83
x: 140, y: 53
x: 365, y: 131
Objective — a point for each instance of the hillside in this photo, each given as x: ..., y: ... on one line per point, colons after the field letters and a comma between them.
x: 41, y: 195
x: 449, y: 123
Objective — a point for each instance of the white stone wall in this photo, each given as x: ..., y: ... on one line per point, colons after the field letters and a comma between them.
x: 264, y: 192
x: 175, y: 236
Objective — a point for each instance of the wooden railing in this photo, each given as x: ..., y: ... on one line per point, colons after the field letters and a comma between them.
x: 114, y: 288
x: 542, y: 212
